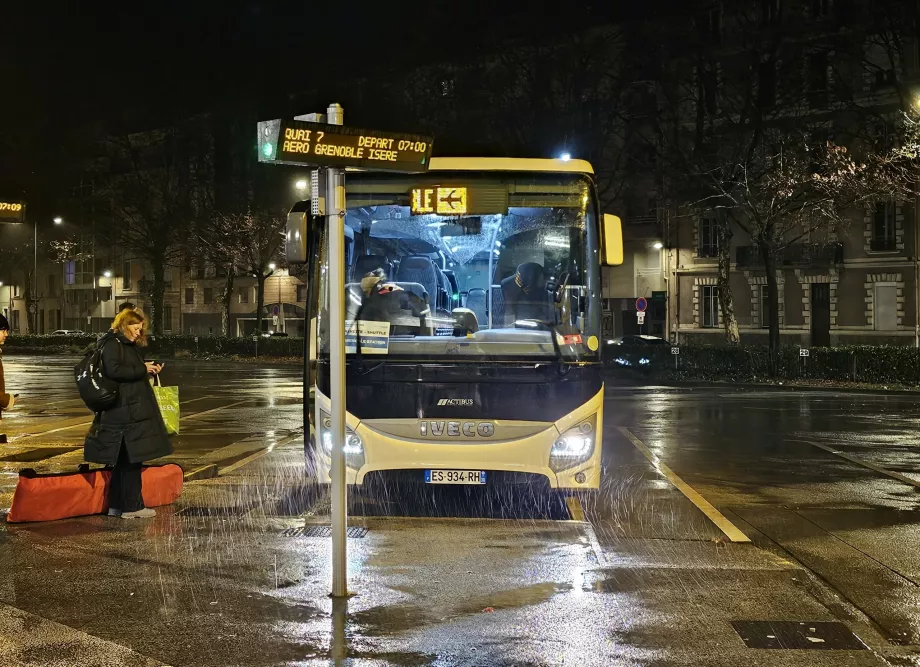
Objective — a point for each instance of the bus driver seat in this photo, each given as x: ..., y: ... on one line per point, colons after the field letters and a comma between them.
x: 525, y: 295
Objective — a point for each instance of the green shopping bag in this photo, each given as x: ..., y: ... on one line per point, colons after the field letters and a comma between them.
x: 168, y: 400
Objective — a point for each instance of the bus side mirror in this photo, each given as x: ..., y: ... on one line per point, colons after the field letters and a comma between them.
x: 299, y: 222
x: 612, y: 241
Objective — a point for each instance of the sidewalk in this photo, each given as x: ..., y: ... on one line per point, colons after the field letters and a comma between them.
x: 226, y: 578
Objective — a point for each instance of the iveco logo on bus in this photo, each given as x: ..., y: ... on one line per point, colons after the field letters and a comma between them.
x: 465, y: 402
x: 437, y: 429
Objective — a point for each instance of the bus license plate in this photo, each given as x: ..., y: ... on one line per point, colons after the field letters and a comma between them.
x: 455, y: 477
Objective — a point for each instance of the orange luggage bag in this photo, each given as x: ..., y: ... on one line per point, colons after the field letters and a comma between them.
x: 64, y: 495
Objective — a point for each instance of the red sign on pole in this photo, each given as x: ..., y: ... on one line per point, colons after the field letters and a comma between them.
x: 641, y: 304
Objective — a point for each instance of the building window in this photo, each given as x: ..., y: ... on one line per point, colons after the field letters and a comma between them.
x: 710, y: 84
x: 244, y: 295
x: 883, y: 225
x: 769, y: 10
x: 199, y: 272
x: 189, y: 296
x: 15, y: 323
x: 209, y: 295
x: 709, y: 238
x: 767, y: 84
x: 886, y: 307
x: 167, y: 317
x: 764, y: 307
x: 52, y: 283
x: 884, y: 78
x: 817, y: 79
x: 126, y: 276
x: 301, y: 293
x: 715, y: 25
x: 820, y: 7
x: 17, y: 292
x: 709, y: 306
x: 70, y: 273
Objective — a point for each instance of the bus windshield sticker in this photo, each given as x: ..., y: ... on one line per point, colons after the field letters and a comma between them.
x: 375, y: 337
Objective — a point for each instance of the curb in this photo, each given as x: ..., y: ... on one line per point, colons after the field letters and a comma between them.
x: 765, y: 386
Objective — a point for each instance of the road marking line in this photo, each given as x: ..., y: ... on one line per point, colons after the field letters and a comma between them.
x: 222, y: 407
x: 858, y: 461
x: 722, y: 523
x: 18, y: 439
x: 575, y: 510
x: 255, y: 455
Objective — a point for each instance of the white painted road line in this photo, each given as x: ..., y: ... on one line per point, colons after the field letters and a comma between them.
x: 731, y: 531
x: 865, y: 464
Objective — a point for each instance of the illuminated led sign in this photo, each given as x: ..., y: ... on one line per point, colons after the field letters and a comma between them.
x: 440, y: 200
x: 322, y: 145
x: 12, y: 211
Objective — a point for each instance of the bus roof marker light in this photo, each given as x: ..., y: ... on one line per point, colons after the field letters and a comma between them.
x: 565, y: 157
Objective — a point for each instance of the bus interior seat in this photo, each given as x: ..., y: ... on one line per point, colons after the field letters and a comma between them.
x: 477, y: 301
x: 525, y: 296
x: 367, y: 263
x: 498, y: 308
x: 445, y: 290
x: 354, y: 297
x: 420, y: 269
x: 454, y: 288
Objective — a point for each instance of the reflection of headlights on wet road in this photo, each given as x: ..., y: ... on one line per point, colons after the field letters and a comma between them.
x: 354, y: 447
x: 622, y: 362
x: 574, y: 446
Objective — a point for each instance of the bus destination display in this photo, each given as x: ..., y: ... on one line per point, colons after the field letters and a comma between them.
x: 439, y: 200
x: 322, y: 145
x: 12, y: 211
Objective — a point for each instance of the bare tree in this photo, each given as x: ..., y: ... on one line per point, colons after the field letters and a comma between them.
x: 256, y: 243
x: 153, y: 184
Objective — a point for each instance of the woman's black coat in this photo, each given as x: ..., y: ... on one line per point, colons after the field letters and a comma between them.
x: 135, y: 418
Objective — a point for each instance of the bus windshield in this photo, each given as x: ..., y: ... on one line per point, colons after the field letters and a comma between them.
x: 519, y: 264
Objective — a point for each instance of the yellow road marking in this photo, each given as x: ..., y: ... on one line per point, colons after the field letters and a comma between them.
x: 575, y: 510
x: 871, y: 466
x: 731, y: 531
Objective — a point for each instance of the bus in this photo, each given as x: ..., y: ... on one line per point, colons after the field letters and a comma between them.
x: 473, y: 325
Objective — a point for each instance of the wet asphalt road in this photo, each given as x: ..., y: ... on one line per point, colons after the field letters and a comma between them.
x: 237, y: 571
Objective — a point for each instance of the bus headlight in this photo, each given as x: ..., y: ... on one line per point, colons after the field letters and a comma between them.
x: 574, y: 446
x: 354, y: 447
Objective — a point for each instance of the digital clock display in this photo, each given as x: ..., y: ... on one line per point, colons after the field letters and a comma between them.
x: 12, y: 211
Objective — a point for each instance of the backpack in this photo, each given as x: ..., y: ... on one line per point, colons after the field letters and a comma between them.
x: 97, y: 391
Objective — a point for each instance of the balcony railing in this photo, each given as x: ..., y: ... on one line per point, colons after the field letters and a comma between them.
x: 799, y: 255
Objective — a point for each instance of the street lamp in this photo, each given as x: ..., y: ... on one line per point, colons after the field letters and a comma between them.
x: 58, y: 220
x: 301, y: 184
x: 658, y: 245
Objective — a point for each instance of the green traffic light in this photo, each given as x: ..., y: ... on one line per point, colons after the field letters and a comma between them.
x: 267, y: 150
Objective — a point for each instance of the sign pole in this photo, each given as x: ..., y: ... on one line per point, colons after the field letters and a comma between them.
x: 335, y: 199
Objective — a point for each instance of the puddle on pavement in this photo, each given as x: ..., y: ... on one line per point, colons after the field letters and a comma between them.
x: 380, y: 621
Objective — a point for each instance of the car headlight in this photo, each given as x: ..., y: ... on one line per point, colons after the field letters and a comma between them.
x: 354, y: 447
x: 574, y: 446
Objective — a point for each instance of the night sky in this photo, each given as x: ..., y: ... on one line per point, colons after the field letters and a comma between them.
x: 135, y: 65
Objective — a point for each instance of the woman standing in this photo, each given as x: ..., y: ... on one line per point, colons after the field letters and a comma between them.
x: 131, y: 432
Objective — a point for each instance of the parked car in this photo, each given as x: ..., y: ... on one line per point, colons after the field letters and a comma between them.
x: 275, y: 334
x: 67, y: 332
x: 638, y: 339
